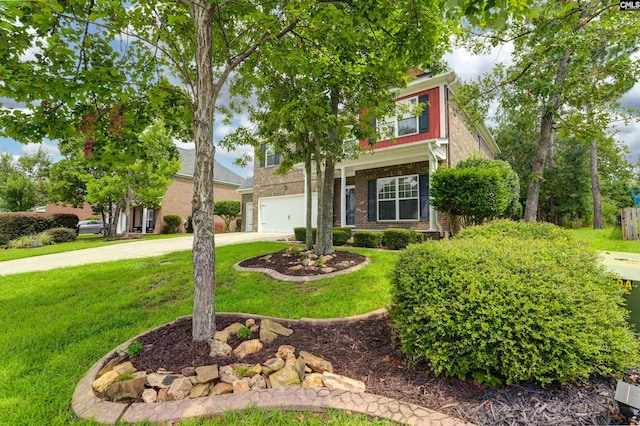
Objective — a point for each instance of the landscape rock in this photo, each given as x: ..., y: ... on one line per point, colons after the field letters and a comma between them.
x: 188, y: 371
x: 149, y: 395
x: 336, y: 381
x: 286, y: 377
x: 295, y: 267
x: 267, y: 336
x: 228, y: 374
x: 163, y: 395
x: 219, y: 348
x: 110, y: 364
x: 126, y: 389
x: 253, y: 371
x: 207, y: 373
x: 221, y: 389
x: 247, y: 347
x: 327, y: 270
x: 272, y: 364
x: 221, y: 336
x: 285, y: 350
x: 316, y: 363
x: 250, y: 322
x: 102, y: 383
x: 299, y: 367
x: 240, y: 386
x: 275, y: 327
x: 257, y: 382
x: 158, y: 380
x: 313, y: 380
x: 233, y: 328
x: 124, y: 368
x: 179, y: 389
x: 201, y: 389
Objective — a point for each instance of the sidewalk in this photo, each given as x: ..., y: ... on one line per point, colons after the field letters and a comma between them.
x: 137, y: 249
x: 627, y: 265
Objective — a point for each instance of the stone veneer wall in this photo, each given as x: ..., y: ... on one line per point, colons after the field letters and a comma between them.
x: 361, y: 179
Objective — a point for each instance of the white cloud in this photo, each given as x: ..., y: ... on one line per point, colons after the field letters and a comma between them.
x: 184, y: 145
x: 222, y: 130
x: 469, y: 66
x: 32, y: 148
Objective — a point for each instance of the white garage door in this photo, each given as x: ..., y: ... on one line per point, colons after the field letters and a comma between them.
x: 282, y: 214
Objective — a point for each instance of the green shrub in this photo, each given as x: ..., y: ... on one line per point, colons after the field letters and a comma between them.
x: 14, y: 225
x: 371, y: 239
x: 340, y: 236
x: 347, y: 230
x: 523, y: 230
x: 173, y: 221
x: 301, y: 234
x: 134, y: 349
x: 63, y: 220
x: 62, y: 235
x: 499, y: 308
x: 228, y: 210
x: 244, y: 333
x: 31, y: 241
x: 397, y: 239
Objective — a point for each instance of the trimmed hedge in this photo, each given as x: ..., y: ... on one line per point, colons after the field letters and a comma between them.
x: 62, y: 235
x: 301, y: 234
x: 398, y: 239
x: 505, y: 309
x: 523, y: 230
x: 370, y: 239
x: 15, y: 225
x: 173, y: 222
x: 340, y: 236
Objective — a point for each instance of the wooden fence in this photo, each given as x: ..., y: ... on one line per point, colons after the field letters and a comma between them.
x: 630, y: 223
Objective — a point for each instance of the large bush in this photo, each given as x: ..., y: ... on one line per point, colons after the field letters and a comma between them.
x: 64, y: 220
x: 397, y: 239
x: 523, y: 230
x: 509, y: 309
x: 173, y: 221
x: 301, y: 234
x: 15, y: 225
x: 62, y: 235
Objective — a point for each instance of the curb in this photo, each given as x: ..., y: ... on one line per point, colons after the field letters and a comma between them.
x: 88, y: 406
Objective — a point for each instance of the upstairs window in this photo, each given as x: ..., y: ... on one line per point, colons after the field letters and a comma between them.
x: 269, y: 156
x: 406, y: 124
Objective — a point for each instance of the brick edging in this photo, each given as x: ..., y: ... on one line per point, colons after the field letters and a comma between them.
x: 88, y: 406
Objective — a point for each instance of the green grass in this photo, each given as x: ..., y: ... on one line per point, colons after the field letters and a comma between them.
x: 608, y: 239
x: 254, y: 417
x: 56, y: 324
x: 84, y: 241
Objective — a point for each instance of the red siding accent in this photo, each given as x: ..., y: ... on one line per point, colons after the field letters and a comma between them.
x: 434, y: 122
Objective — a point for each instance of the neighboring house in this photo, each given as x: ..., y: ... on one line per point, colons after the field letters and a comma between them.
x: 176, y: 200
x: 387, y: 187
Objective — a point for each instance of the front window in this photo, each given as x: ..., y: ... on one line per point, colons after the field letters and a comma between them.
x: 398, y: 198
x: 270, y: 158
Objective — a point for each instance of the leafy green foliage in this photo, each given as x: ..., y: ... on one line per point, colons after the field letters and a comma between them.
x: 511, y: 308
x: 228, y: 210
x: 28, y: 241
x: 397, y: 239
x: 14, y: 225
x: 301, y: 234
x: 65, y: 220
x: 134, y: 349
x: 62, y: 235
x: 501, y: 228
x: 371, y: 239
x: 244, y: 333
x: 24, y: 182
x: 340, y: 236
x: 173, y: 222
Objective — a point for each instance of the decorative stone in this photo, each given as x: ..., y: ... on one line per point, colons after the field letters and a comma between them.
x: 316, y: 363
x: 299, y: 367
x: 228, y: 374
x: 219, y: 348
x: 233, y: 328
x: 199, y: 390
x: 163, y: 395
x: 267, y: 336
x: 240, y: 386
x: 188, y: 371
x: 327, y: 270
x: 221, y: 389
x: 126, y: 389
x: 207, y: 373
x: 336, y: 381
x: 179, y: 389
x: 285, y: 350
x: 286, y: 377
x: 272, y: 364
x: 257, y: 382
x: 275, y: 327
x: 326, y: 258
x: 194, y: 380
x: 110, y: 364
x: 313, y: 380
x: 101, y: 384
x: 295, y: 268
x: 157, y: 380
x: 221, y: 336
x: 247, y: 347
x: 255, y: 370
x: 267, y: 257
x: 250, y: 322
x: 149, y: 395
x: 125, y: 368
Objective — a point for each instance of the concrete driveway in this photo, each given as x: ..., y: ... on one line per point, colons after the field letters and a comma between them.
x: 627, y: 265
x: 137, y: 249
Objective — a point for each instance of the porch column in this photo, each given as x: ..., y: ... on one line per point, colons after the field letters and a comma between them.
x: 343, y: 197
x: 144, y: 220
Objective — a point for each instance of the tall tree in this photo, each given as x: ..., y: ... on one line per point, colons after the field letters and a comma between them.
x: 24, y: 182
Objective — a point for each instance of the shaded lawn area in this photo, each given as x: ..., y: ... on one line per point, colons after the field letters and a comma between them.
x: 84, y: 241
x: 608, y: 239
x: 56, y: 324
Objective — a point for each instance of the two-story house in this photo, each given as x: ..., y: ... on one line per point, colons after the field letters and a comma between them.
x: 387, y: 187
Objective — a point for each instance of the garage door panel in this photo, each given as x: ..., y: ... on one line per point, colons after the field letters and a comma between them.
x: 282, y: 214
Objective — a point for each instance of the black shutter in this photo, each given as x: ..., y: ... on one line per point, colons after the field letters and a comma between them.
x: 276, y: 158
x: 262, y: 154
x: 423, y: 182
x: 371, y: 198
x: 423, y: 120
x: 372, y: 139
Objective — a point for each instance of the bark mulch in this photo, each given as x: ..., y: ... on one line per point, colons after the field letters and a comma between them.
x: 367, y: 351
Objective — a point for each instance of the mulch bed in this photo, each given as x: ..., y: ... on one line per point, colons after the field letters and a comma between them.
x: 366, y: 350
x: 286, y: 260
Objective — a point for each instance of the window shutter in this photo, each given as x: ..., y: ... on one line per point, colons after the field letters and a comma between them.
x: 276, y: 158
x: 423, y: 183
x: 371, y: 201
x: 423, y: 120
x: 262, y: 154
x: 372, y: 139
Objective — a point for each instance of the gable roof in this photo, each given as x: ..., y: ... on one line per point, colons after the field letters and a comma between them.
x: 221, y: 173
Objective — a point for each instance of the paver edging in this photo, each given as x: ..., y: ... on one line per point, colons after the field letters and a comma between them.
x: 87, y: 405
x: 303, y: 278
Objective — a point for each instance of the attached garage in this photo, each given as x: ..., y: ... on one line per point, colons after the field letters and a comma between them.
x: 282, y: 214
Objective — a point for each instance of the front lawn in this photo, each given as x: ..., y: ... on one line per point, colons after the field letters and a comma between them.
x: 84, y: 241
x: 56, y: 324
x: 608, y: 239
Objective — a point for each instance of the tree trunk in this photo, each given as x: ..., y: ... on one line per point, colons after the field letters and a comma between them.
x: 595, y: 186
x: 309, y: 200
x: 546, y: 130
x: 320, y: 173
x: 553, y: 217
x: 324, y: 244
x: 204, y: 325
